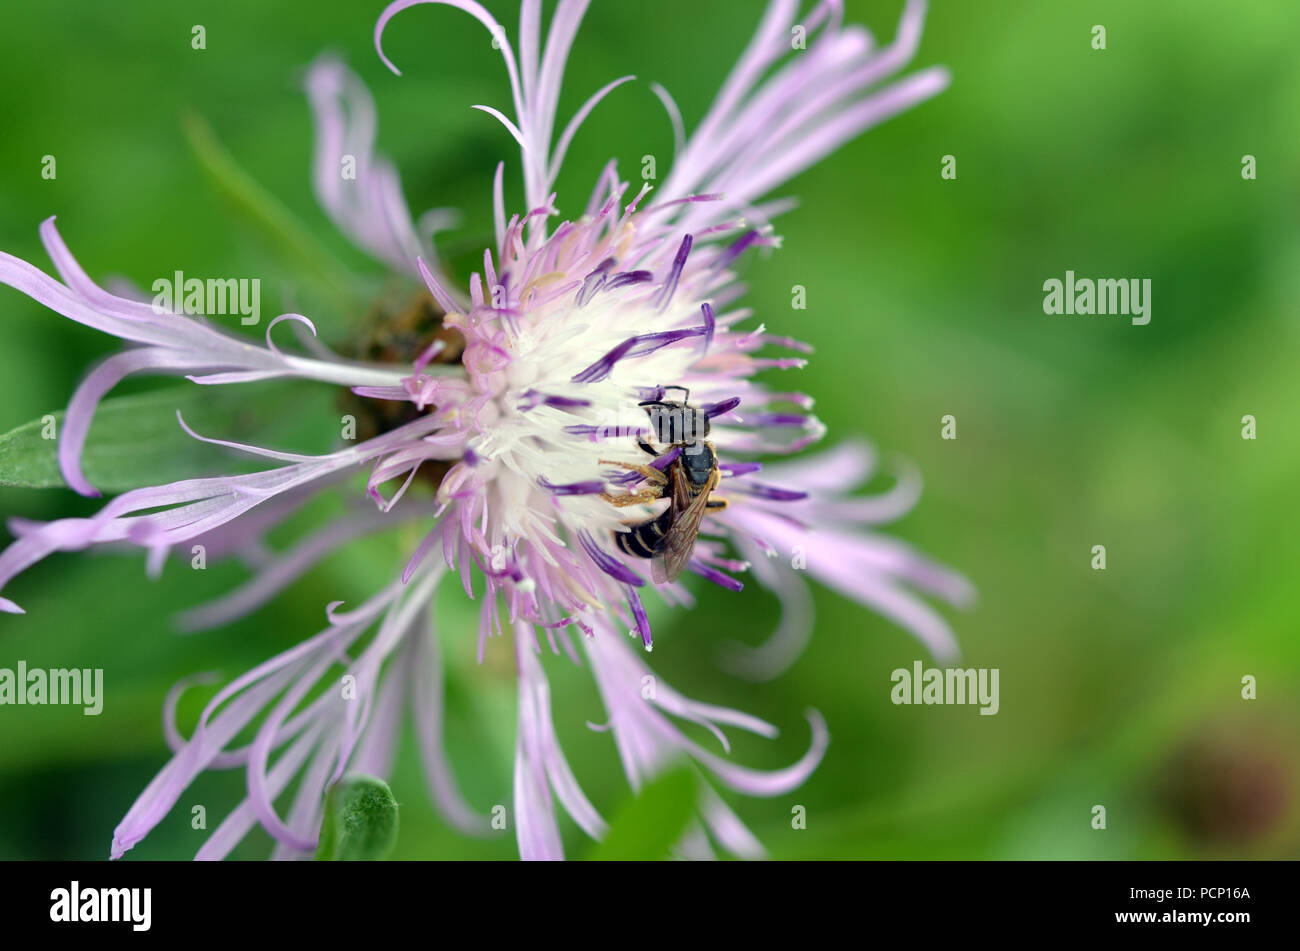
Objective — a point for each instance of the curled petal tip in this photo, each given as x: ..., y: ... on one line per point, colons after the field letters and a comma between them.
x: 379, y: 38
x: 70, y: 469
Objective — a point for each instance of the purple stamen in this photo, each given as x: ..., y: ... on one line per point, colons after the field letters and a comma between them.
x: 628, y: 277
x: 770, y: 492
x: 717, y: 577
x: 675, y: 274
x: 721, y: 408
x: 649, y: 343
x: 709, y: 325
x: 601, y: 368
x: 533, y: 399
x: 638, y: 612
x: 735, y: 250
x: 594, y: 282
x: 590, y: 487
x: 661, y: 463
x: 608, y: 563
x: 634, y: 347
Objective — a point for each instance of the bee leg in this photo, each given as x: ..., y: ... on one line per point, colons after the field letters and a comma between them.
x: 716, y: 505
x: 654, y: 475
x: 633, y: 498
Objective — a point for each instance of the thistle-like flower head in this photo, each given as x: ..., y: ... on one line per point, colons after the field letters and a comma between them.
x: 542, y: 431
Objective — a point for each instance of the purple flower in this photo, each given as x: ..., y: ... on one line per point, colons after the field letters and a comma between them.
x: 524, y: 413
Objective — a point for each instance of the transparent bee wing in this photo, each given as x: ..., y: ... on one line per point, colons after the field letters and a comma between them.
x: 675, y: 553
x: 659, y: 569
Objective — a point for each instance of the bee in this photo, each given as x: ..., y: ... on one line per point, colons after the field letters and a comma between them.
x: 668, y: 539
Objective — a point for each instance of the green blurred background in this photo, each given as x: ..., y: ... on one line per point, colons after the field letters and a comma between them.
x: 1118, y: 687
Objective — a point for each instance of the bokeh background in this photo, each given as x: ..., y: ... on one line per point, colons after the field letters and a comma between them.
x: 1119, y: 687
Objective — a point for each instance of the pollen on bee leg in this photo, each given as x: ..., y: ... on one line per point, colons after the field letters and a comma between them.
x: 643, y: 497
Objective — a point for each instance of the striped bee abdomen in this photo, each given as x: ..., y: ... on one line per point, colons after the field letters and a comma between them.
x: 642, y: 541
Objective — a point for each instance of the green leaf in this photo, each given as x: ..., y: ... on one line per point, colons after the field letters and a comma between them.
x: 360, y: 823
x: 136, y: 440
x: 648, y: 826
x: 266, y: 213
